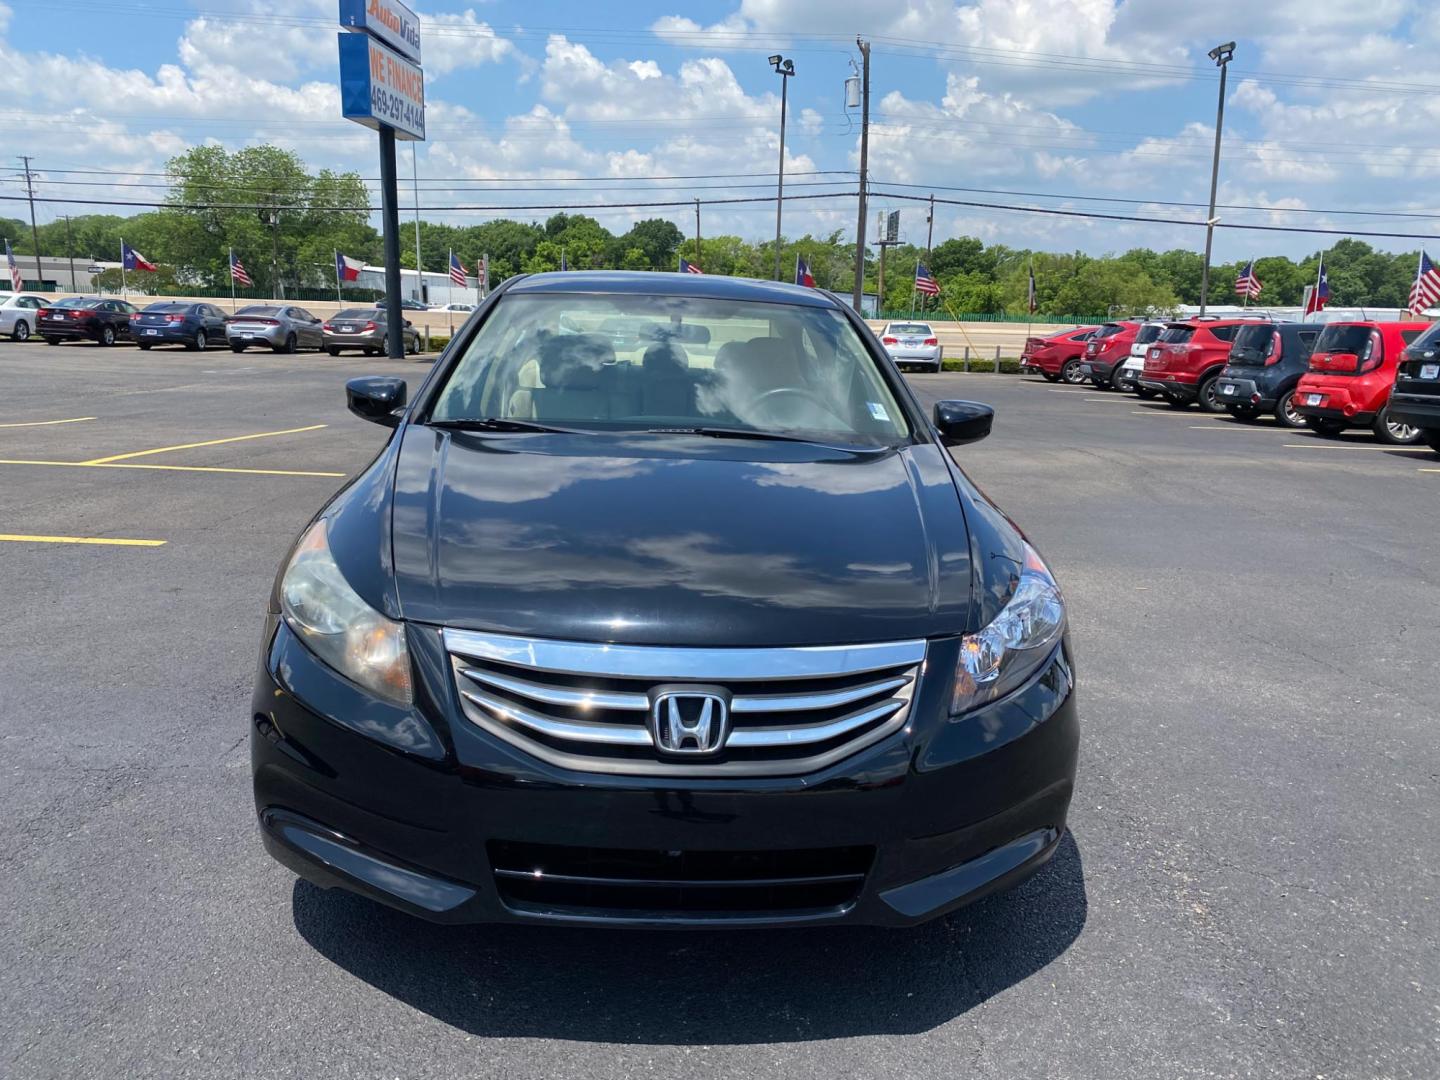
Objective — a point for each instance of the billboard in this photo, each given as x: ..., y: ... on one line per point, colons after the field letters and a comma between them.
x: 389, y: 20
x: 892, y: 227
x: 379, y: 87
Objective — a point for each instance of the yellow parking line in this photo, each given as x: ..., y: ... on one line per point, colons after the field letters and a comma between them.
x: 24, y: 539
x: 168, y: 468
x: 48, y: 423
x: 1342, y: 446
x: 193, y: 445
x: 1241, y: 427
x: 1427, y: 470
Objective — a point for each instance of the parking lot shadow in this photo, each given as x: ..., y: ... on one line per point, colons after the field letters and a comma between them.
x: 722, y: 987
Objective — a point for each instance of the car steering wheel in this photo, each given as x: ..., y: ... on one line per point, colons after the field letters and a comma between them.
x: 762, y: 400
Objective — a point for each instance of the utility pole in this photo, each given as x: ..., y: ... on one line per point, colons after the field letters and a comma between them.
x: 856, y: 300
x: 70, y: 251
x: 698, y: 263
x: 1222, y: 55
x: 274, y: 216
x: 34, y: 229
x: 929, y: 229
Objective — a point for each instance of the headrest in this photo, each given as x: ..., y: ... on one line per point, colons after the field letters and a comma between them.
x: 665, y: 358
x: 573, y: 361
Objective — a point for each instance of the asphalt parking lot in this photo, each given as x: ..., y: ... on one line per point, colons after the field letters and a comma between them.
x: 1249, y: 888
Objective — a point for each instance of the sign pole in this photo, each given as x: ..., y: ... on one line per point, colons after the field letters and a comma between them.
x: 390, y: 225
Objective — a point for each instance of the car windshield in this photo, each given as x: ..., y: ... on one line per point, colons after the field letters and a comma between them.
x: 1427, y: 341
x: 1343, y: 338
x: 1252, y: 344
x: 1176, y: 335
x: 356, y: 313
x: 1148, y: 333
x: 910, y: 328
x: 270, y: 311
x: 668, y: 363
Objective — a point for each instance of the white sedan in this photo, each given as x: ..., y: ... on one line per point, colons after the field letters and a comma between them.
x: 17, y: 314
x: 453, y: 307
x: 912, y: 345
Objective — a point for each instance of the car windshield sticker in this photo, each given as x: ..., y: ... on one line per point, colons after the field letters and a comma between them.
x: 877, y: 410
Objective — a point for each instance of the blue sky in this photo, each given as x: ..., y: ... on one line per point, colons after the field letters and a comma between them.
x: 1079, y: 100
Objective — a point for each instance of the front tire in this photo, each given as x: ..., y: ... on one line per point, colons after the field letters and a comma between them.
x: 1285, y: 411
x: 107, y: 336
x: 1144, y: 393
x: 332, y: 350
x: 1209, y: 396
x: 143, y: 346
x: 52, y: 341
x: 1431, y: 437
x: 1392, y: 433
x: 1071, y: 373
x: 1049, y: 377
x: 237, y: 347
x: 1243, y: 412
x: 21, y: 331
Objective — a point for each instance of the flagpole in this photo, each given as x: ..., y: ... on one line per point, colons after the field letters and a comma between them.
x: 914, y: 277
x: 1029, y: 302
x: 1319, y: 273
x: 450, y: 307
x: 1249, y: 283
x: 124, y: 293
x: 1414, y: 289
x: 234, y: 304
x: 339, y: 293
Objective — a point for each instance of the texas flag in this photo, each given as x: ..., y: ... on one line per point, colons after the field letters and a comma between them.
x: 802, y: 273
x: 1318, y: 295
x: 133, y: 260
x: 346, y: 268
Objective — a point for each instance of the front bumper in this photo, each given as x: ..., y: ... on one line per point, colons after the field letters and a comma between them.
x: 946, y: 811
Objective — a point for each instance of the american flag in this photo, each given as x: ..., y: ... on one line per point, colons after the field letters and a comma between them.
x: 1426, y: 290
x: 925, y: 281
x: 687, y: 267
x: 457, y: 271
x: 237, y: 271
x: 15, y: 278
x: 1246, y: 283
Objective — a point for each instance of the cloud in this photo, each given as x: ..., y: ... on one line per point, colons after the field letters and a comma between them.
x: 452, y: 42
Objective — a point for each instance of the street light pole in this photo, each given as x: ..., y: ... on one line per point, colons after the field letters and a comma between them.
x: 1222, y: 55
x: 784, y: 68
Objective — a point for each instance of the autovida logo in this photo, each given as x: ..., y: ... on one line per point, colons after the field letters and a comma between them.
x: 397, y: 23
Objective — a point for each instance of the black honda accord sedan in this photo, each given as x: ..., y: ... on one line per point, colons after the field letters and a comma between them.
x: 665, y: 604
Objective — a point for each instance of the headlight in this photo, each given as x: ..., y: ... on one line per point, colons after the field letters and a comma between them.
x: 997, y: 659
x: 338, y: 626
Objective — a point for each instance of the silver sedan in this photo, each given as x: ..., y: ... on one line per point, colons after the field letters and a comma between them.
x: 18, y: 314
x: 912, y: 345
x: 282, y: 327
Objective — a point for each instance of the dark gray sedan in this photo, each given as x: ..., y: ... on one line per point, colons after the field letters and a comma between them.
x: 364, y: 329
x: 284, y: 328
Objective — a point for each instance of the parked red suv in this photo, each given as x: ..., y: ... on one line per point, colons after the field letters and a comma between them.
x: 1057, y: 356
x: 1352, y: 371
x: 1107, y: 347
x: 1186, y: 362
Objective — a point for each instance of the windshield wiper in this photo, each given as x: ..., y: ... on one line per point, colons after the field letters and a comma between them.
x: 502, y: 423
x: 746, y: 433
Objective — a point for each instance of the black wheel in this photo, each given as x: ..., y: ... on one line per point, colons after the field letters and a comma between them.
x: 1285, y: 411
x: 1388, y: 431
x: 291, y: 346
x: 1049, y: 377
x: 1072, y: 374
x: 1144, y: 393
x: 1100, y: 382
x: 1242, y: 412
x: 1328, y: 428
x: 1431, y: 437
x: 236, y: 346
x: 198, y: 345
x: 107, y: 336
x: 21, y: 331
x: 143, y: 346
x: 332, y: 350
x: 1209, y: 396
x: 1177, y: 403
x: 52, y: 341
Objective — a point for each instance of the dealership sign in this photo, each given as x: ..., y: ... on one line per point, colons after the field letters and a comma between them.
x: 379, y: 87
x: 388, y: 20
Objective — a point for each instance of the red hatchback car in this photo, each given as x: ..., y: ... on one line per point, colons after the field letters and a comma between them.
x: 1057, y: 356
x: 1352, y: 371
x: 1185, y: 362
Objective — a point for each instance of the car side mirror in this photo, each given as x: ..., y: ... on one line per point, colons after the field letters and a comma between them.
x: 376, y: 398
x: 959, y: 422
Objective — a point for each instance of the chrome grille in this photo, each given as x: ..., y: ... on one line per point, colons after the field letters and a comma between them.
x: 589, y: 707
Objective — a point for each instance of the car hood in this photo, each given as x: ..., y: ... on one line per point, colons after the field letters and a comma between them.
x: 677, y: 540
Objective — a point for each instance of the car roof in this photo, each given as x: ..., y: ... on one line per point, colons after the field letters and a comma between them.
x: 647, y: 283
